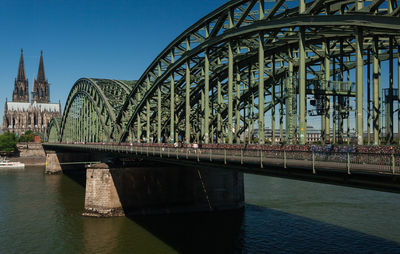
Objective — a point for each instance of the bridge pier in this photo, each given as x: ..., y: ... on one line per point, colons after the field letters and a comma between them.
x: 119, y: 191
x: 58, y: 162
x: 52, y: 163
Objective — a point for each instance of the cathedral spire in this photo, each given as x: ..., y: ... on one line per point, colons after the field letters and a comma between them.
x: 21, y: 93
x: 41, y: 77
x: 21, y: 68
x: 40, y: 90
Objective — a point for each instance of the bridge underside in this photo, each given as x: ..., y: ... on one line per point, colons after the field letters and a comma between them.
x: 120, y: 184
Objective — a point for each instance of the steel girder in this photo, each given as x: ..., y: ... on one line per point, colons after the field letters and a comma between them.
x: 204, y: 47
x: 91, y: 109
x: 206, y: 84
x: 53, y: 130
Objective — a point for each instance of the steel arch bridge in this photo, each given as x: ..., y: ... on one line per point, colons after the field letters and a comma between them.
x: 223, y: 78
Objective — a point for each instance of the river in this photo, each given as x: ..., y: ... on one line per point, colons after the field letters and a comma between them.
x: 42, y: 214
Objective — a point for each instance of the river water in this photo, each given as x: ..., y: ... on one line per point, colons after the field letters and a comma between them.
x: 42, y: 214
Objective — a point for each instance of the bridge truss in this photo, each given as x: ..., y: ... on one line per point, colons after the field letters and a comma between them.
x: 226, y: 75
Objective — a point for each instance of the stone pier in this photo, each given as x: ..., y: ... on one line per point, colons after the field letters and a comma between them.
x: 60, y: 162
x: 101, y: 195
x: 52, y: 163
x: 116, y: 191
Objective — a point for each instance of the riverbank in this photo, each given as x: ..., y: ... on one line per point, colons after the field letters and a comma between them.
x: 30, y: 161
x: 31, y: 154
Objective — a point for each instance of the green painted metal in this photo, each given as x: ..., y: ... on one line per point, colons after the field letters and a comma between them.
x: 376, y: 97
x: 230, y: 94
x: 398, y: 89
x: 148, y: 114
x: 261, y: 137
x: 302, y: 85
x: 219, y: 103
x: 187, y: 97
x: 273, y: 117
x: 359, y: 85
x: 237, y: 102
x: 172, y: 106
x: 189, y: 90
x: 206, y: 98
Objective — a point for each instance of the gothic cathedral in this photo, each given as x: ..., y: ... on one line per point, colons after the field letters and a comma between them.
x: 20, y: 115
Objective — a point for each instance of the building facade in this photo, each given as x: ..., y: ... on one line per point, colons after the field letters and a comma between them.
x: 20, y: 114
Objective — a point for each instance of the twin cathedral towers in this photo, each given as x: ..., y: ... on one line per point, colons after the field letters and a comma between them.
x: 40, y: 91
x: 21, y: 115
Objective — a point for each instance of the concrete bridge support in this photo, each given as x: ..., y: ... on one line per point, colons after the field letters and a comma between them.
x: 57, y: 162
x: 118, y: 191
x: 52, y: 163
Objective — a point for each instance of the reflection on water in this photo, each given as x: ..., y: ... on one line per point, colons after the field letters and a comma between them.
x: 42, y: 214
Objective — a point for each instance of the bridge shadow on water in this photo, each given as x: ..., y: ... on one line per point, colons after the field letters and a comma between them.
x: 258, y: 230
x: 253, y: 229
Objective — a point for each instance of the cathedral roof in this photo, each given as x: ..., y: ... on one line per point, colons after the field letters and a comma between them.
x: 26, y: 106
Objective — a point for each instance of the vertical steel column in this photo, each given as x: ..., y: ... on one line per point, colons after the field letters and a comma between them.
x: 172, y: 105
x: 302, y: 86
x: 202, y: 116
x: 323, y: 87
x: 85, y: 123
x: 219, y: 101
x: 251, y: 112
x: 237, y: 110
x: 230, y: 82
x: 359, y: 85
x: 261, y: 9
x: 389, y: 6
x: 341, y: 100
x: 398, y: 90
x: 90, y: 123
x: 273, y: 125
x: 376, y: 93
x: 389, y: 99
x: 302, y: 6
x: 261, y: 137
x: 159, y: 114
x: 368, y: 97
x: 359, y: 4
x: 187, y: 98
x: 290, y: 135
x: 249, y: 109
x: 230, y: 93
x: 139, y: 124
x: 281, y: 94
x: 334, y: 113
x: 159, y: 107
x: 261, y: 89
x: 206, y: 97
x: 148, y: 113
x: 327, y: 98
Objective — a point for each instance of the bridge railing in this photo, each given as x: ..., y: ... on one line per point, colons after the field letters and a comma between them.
x: 384, y: 160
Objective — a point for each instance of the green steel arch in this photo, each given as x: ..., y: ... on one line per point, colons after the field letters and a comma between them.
x: 91, y: 109
x: 206, y: 84
x: 219, y: 79
x: 53, y: 130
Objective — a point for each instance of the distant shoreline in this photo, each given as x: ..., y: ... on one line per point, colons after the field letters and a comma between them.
x: 30, y: 161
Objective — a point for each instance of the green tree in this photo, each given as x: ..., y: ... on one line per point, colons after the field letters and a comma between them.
x: 8, y: 142
x: 29, y: 136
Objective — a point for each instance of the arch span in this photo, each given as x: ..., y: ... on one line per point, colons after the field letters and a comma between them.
x: 249, y: 65
x: 91, y: 109
x: 206, y: 84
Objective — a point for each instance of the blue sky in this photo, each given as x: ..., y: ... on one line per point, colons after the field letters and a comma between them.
x: 115, y: 39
